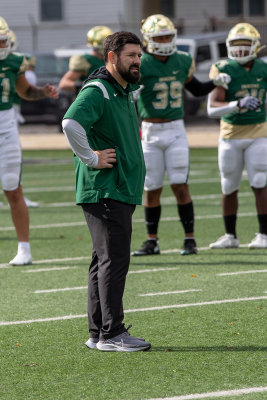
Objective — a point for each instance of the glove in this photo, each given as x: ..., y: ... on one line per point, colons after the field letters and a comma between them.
x: 249, y: 102
x: 222, y: 80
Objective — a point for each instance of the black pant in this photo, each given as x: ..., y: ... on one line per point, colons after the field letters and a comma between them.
x: 110, y: 225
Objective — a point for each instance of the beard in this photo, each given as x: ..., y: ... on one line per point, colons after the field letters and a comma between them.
x: 128, y: 74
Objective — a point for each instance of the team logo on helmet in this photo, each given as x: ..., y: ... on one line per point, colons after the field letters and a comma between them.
x: 243, y: 43
x: 97, y: 35
x: 155, y: 26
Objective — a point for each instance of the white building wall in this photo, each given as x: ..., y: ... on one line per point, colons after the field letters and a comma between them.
x: 196, y: 14
x: 78, y: 17
x: 23, y: 16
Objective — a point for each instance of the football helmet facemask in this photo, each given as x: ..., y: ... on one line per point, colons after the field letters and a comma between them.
x: 155, y: 26
x: 96, y: 37
x: 243, y: 43
x: 4, y: 35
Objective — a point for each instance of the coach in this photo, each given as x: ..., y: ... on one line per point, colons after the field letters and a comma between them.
x: 102, y: 129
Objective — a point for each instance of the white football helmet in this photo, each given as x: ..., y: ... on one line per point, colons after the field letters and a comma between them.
x: 96, y: 37
x: 4, y: 36
x: 155, y: 26
x: 243, y: 43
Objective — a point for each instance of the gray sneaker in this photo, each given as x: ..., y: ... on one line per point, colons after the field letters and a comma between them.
x: 123, y: 342
x: 148, y: 248
x: 91, y: 343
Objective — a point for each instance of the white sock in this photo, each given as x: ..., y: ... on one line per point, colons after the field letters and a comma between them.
x: 24, y: 246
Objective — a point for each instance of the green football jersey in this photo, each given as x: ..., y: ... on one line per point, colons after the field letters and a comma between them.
x: 10, y: 68
x: 86, y: 63
x: 94, y: 62
x: 244, y: 83
x: 163, y: 93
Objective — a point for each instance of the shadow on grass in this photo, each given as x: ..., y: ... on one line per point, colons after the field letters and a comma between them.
x: 208, y: 348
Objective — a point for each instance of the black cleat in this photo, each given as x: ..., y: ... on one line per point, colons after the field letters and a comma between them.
x: 190, y: 247
x: 148, y: 248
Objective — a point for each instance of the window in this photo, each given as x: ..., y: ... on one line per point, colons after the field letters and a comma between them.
x: 256, y: 8
x: 234, y: 8
x: 222, y: 50
x: 51, y: 10
x: 203, y: 53
x: 167, y: 8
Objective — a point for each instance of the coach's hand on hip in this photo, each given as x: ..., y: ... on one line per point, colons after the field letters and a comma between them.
x: 106, y: 158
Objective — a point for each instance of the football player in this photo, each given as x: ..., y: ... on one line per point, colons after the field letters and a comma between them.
x: 243, y: 130
x: 17, y: 100
x: 12, y: 79
x: 80, y: 66
x: 165, y: 72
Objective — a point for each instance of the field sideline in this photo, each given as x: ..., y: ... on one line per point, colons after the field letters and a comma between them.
x: 205, y: 315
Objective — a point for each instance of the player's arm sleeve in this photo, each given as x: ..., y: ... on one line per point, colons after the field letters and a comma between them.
x: 78, y: 142
x: 198, y: 88
x: 227, y: 108
x: 224, y: 109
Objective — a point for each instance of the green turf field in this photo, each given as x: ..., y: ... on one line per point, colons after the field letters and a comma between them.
x: 205, y: 315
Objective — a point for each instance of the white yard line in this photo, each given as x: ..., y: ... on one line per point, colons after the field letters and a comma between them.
x: 205, y: 303
x: 172, y: 306
x: 168, y: 251
x: 140, y: 271
x: 140, y: 220
x: 59, y: 225
x: 254, y: 271
x: 165, y: 200
x: 173, y: 292
x: 48, y: 269
x: 213, y: 395
x: 50, y: 189
x: 60, y: 289
x: 197, y: 217
x: 51, y: 260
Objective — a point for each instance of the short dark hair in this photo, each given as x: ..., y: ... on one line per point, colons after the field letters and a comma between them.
x: 118, y: 40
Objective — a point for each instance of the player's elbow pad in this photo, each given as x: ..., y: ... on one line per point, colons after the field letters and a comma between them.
x: 217, y: 112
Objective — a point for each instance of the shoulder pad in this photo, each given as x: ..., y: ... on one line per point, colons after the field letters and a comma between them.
x: 183, y: 52
x: 79, y: 63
